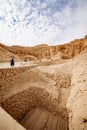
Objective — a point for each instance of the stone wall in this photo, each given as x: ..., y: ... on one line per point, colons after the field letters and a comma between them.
x: 44, y: 90
x: 11, y: 76
x: 77, y: 102
x: 19, y: 104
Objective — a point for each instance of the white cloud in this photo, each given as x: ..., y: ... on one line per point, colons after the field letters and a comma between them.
x: 78, y: 20
x: 30, y: 23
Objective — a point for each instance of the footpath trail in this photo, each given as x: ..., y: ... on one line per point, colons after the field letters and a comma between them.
x: 17, y: 64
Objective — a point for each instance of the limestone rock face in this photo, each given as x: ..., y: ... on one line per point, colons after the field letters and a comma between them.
x: 44, y: 51
x: 7, y: 122
x: 50, y: 84
x: 77, y: 103
x: 5, y: 54
x: 68, y: 50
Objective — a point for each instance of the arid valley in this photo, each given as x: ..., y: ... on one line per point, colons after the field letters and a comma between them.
x: 46, y: 89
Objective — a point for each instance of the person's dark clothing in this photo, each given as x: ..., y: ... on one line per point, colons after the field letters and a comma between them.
x: 12, y: 62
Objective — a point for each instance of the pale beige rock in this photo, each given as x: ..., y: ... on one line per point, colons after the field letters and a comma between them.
x: 48, y: 82
x: 77, y: 101
x: 7, y: 122
x: 43, y: 51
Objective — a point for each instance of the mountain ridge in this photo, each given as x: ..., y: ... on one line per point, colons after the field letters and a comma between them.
x: 44, y: 51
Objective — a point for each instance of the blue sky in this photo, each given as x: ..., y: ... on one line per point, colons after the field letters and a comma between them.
x: 33, y: 22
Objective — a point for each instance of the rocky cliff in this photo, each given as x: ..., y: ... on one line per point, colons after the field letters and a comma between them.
x: 44, y: 51
x: 5, y: 54
x: 67, y: 50
x: 50, y: 85
x: 77, y: 103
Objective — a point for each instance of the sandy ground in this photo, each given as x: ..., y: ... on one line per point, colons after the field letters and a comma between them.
x: 17, y: 64
x: 46, y: 86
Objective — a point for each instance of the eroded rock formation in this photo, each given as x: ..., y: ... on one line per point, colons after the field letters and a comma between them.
x: 27, y: 87
x: 52, y: 84
x: 77, y: 103
x: 5, y: 54
x: 44, y: 51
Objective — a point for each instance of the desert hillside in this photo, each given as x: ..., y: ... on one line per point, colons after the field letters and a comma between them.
x: 67, y: 50
x: 43, y: 51
x: 50, y: 90
x: 5, y: 54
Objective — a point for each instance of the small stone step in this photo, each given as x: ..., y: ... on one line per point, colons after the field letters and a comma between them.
x: 39, y: 119
x: 54, y: 123
x: 30, y: 113
x: 30, y: 119
x: 48, y: 124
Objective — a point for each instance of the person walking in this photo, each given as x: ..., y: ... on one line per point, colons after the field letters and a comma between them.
x: 12, y: 61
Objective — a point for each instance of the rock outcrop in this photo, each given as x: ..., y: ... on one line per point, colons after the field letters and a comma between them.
x: 68, y: 50
x: 7, y: 122
x: 44, y: 51
x: 27, y: 87
x: 5, y: 54
x: 51, y: 84
x: 77, y: 103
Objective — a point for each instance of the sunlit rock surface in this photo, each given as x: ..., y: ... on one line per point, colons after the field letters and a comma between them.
x: 53, y: 78
x: 77, y: 103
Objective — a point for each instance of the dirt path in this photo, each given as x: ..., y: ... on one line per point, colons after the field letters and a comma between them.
x: 17, y: 64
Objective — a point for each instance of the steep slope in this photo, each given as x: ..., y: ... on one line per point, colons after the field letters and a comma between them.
x: 49, y: 86
x: 77, y: 103
x: 5, y: 55
x: 42, y: 51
